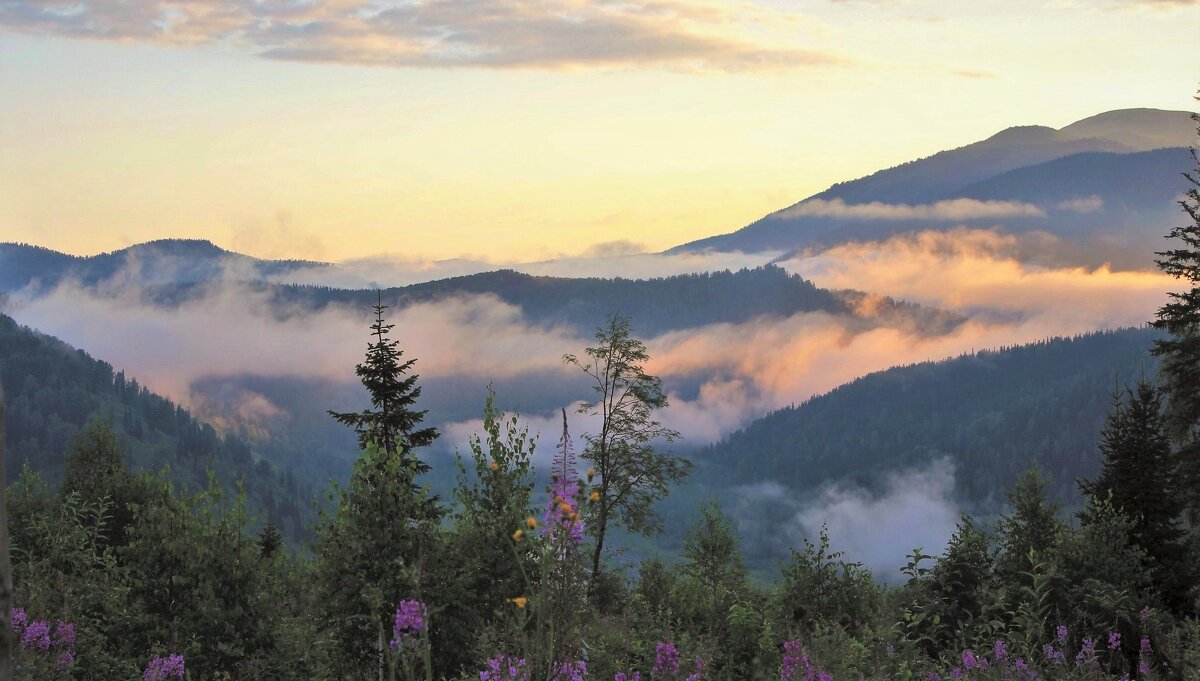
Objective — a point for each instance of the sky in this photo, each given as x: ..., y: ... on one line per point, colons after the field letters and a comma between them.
x: 510, y: 130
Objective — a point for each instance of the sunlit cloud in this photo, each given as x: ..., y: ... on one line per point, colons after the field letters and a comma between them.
x: 717, y: 35
x: 948, y: 211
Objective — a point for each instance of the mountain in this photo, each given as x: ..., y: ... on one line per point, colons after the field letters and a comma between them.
x: 991, y: 414
x: 52, y: 391
x: 1089, y: 163
x: 155, y: 262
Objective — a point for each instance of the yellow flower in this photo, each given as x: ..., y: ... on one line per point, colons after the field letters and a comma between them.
x: 565, y: 508
x: 518, y: 534
x: 519, y: 601
x: 495, y: 466
x: 531, y: 523
x: 559, y: 500
x: 595, y: 496
x: 574, y: 517
x: 591, y: 473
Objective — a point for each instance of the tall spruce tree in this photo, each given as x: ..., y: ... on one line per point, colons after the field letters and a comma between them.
x: 1141, y: 477
x: 1180, y: 352
x: 393, y: 422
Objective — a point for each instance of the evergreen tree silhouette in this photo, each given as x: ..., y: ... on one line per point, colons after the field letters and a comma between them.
x: 392, y: 422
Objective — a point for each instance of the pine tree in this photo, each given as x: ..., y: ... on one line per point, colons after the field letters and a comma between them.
x: 1140, y: 476
x: 1034, y: 526
x: 1180, y: 352
x: 393, y: 423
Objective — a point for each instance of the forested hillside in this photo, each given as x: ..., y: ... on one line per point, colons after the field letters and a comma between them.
x: 52, y: 391
x: 992, y: 413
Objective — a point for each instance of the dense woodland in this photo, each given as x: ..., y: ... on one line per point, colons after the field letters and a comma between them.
x: 125, y: 575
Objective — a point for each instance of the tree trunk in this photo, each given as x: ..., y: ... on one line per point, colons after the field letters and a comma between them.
x: 6, y: 642
x: 601, y: 526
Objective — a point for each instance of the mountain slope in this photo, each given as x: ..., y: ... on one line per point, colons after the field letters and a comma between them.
x: 992, y: 414
x: 1094, y: 155
x: 52, y: 391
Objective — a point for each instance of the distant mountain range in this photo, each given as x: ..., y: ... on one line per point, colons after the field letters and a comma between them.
x: 1111, y: 177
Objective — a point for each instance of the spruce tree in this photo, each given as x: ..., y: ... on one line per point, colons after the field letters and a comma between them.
x: 1033, y: 526
x: 1140, y: 476
x: 393, y: 422
x: 1180, y: 352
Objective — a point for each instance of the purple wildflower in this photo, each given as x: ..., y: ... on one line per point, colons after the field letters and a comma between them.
x: 1086, y: 652
x: 956, y: 673
x: 666, y: 660
x: 969, y: 660
x: 697, y: 670
x: 37, y: 635
x: 164, y: 668
x: 890, y: 649
x: 1054, y: 654
x: 1114, y: 640
x: 1145, y: 646
x: 1061, y: 633
x: 64, y: 635
x: 505, y: 668
x: 1143, y: 668
x: 65, y: 659
x: 622, y: 676
x: 410, y: 620
x: 571, y: 671
x: 999, y: 650
x: 795, y: 661
x: 17, y: 618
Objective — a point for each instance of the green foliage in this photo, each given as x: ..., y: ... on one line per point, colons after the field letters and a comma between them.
x: 820, y: 587
x: 633, y: 473
x: 381, y: 532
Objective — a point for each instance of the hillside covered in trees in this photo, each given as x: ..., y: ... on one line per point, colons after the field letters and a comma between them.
x: 992, y: 414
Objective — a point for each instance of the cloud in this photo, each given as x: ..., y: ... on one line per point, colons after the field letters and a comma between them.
x: 943, y: 211
x: 719, y: 35
x: 610, y: 249
x: 979, y: 272
x: 282, y: 238
x: 1090, y: 204
x: 916, y: 509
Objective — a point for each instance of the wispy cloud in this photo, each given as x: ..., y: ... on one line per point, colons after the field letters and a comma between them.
x: 945, y: 211
x: 717, y: 35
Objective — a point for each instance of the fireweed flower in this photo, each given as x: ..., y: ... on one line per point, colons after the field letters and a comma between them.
x: 622, y: 676
x: 999, y: 650
x: 1086, y: 652
x: 1061, y: 633
x: 1114, y: 640
x: 410, y: 620
x: 1054, y: 654
x: 164, y: 668
x: 559, y: 512
x: 571, y: 671
x: 697, y: 670
x: 37, y: 635
x: 17, y: 619
x: 505, y: 668
x: 969, y: 660
x: 666, y: 660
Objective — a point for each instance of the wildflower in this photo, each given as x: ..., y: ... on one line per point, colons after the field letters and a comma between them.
x: 66, y: 659
x: 969, y: 660
x: 666, y: 659
x: 1145, y: 646
x: 594, y: 497
x: 164, y: 668
x: 37, y: 635
x: 410, y: 620
x: 956, y: 673
x: 1053, y: 654
x: 518, y: 535
x: 17, y: 618
x: 494, y: 466
x: 571, y: 671
x: 1143, y: 668
x: 890, y: 650
x: 1114, y: 640
x: 1061, y: 633
x: 505, y: 668
x: 1086, y: 652
x: 591, y: 473
x: 519, y: 601
x: 999, y: 650
x: 697, y: 670
x: 64, y: 635
x: 531, y: 523
x: 622, y: 676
